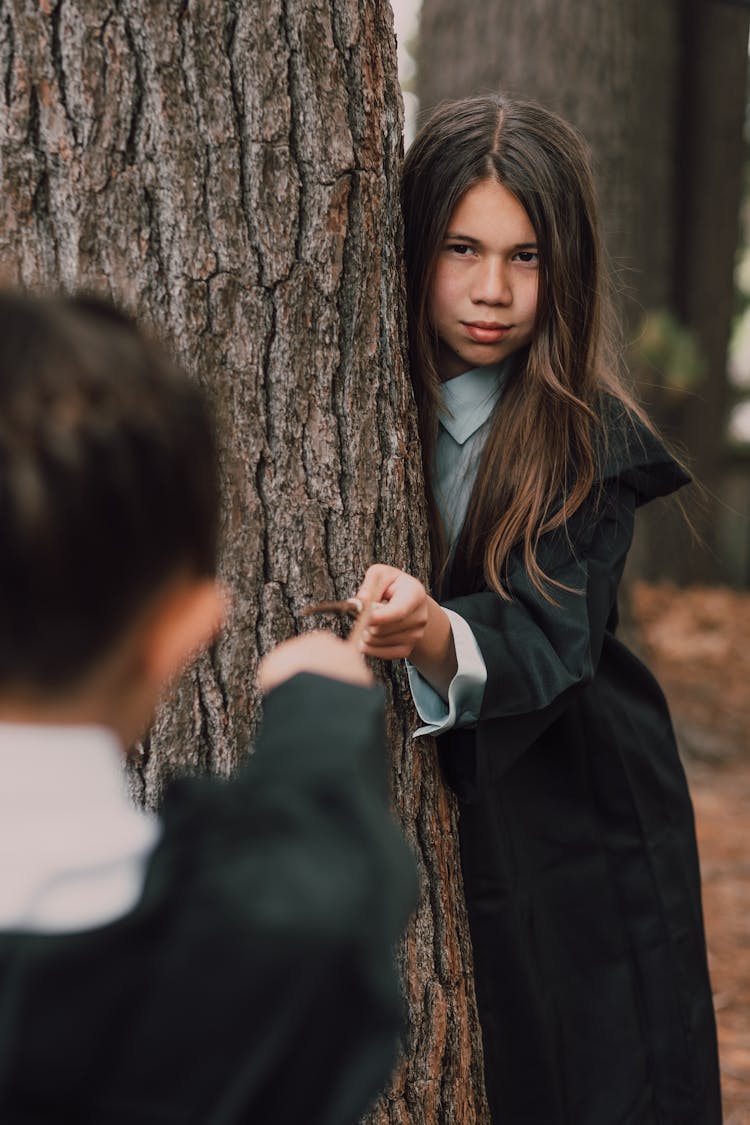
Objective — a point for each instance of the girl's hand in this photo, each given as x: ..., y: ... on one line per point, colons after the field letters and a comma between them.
x: 398, y: 624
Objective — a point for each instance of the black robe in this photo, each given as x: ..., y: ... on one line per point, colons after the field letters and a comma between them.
x: 578, y: 842
x: 255, y: 981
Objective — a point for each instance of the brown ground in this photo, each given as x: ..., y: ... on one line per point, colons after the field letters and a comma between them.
x: 697, y: 641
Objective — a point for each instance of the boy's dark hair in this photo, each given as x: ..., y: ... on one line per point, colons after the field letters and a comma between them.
x: 108, y: 484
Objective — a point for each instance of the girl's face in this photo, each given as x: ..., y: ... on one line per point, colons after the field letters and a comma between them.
x: 484, y: 291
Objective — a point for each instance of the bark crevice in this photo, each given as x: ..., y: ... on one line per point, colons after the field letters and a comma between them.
x: 58, y: 66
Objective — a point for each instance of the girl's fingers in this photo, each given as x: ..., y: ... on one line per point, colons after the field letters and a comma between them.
x: 392, y: 612
x: 361, y: 624
x: 376, y: 581
x: 413, y: 626
x: 398, y: 652
x: 397, y: 622
x: 395, y: 646
x: 404, y: 600
x: 376, y: 643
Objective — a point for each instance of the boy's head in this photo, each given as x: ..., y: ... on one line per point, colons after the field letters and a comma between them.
x: 108, y: 486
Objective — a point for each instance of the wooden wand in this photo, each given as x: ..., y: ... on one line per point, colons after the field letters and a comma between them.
x: 352, y: 607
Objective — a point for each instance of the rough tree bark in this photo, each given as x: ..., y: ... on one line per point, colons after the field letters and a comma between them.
x: 659, y: 92
x: 228, y: 170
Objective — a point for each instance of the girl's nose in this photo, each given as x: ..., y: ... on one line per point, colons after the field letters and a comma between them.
x: 491, y: 284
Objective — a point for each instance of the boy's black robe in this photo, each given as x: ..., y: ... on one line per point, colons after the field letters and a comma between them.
x: 254, y: 982
x: 577, y: 839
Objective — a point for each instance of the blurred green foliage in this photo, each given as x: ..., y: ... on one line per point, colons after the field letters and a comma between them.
x: 666, y: 354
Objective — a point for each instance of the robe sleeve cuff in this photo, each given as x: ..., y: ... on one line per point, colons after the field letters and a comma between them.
x: 465, y: 691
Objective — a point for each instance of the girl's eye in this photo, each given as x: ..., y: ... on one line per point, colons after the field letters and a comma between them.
x: 459, y: 248
x: 528, y: 257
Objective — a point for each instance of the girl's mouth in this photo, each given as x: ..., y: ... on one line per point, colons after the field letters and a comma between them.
x: 484, y: 332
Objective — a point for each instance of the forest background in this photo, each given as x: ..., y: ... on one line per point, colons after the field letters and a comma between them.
x: 228, y: 170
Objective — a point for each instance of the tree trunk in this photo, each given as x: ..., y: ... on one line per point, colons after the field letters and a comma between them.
x: 659, y: 92
x: 228, y: 171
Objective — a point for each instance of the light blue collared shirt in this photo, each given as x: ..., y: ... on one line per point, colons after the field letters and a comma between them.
x: 465, y: 421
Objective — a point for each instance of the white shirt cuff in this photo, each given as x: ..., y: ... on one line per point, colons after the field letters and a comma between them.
x: 465, y: 691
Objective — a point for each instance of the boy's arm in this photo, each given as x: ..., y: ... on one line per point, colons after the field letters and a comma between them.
x: 321, y: 756
x: 306, y: 865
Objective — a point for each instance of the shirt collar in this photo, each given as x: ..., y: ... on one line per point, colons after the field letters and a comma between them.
x: 469, y: 399
x: 46, y: 760
x: 65, y: 818
x: 71, y: 780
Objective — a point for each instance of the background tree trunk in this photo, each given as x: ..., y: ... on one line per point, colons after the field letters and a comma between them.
x: 659, y: 92
x: 228, y: 170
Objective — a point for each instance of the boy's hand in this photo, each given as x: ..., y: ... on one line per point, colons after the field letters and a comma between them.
x: 397, y: 625
x: 321, y: 653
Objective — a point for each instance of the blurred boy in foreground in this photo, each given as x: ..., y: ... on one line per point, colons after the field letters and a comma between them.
x: 231, y: 960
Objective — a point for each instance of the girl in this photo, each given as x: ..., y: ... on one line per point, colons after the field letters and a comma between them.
x: 577, y: 839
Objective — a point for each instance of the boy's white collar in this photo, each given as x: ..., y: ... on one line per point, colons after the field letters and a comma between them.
x: 73, y: 848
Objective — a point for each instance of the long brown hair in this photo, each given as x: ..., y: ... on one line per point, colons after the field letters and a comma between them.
x: 540, y: 460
